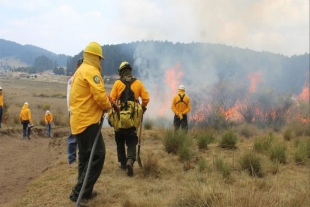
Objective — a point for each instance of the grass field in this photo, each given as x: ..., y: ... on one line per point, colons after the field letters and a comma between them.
x: 266, y: 169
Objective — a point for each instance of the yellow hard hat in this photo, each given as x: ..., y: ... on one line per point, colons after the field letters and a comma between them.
x: 94, y: 48
x: 124, y: 65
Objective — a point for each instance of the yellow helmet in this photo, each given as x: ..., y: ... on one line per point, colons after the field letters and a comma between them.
x: 94, y: 48
x: 124, y: 65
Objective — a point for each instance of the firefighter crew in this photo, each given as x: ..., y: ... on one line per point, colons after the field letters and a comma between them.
x: 128, y: 137
x: 48, y: 122
x: 88, y: 101
x: 1, y: 105
x: 26, y: 121
x: 180, y: 106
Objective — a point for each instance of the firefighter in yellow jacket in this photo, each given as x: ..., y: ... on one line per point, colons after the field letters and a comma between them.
x: 1, y: 105
x: 88, y: 100
x: 48, y: 122
x: 128, y: 137
x: 181, y: 105
x: 26, y: 121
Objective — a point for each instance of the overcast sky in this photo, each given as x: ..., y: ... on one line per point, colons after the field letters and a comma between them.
x: 67, y: 26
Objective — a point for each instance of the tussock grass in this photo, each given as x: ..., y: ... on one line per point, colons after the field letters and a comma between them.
x: 262, y: 144
x: 223, y: 167
x: 278, y: 153
x: 288, y: 134
x: 204, y: 139
x: 229, y: 140
x: 248, y: 130
x: 252, y: 163
x: 302, y: 152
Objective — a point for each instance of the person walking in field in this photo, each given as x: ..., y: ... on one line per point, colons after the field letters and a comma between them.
x: 26, y: 121
x: 48, y: 122
x: 128, y: 136
x: 72, y: 145
x: 88, y: 100
x: 1, y: 105
x: 181, y: 105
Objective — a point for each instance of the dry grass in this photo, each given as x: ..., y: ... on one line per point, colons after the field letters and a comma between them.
x: 164, y: 181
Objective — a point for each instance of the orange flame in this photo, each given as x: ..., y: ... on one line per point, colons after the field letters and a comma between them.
x: 304, y: 95
x: 255, y: 78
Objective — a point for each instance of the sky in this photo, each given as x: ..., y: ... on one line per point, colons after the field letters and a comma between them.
x: 67, y: 26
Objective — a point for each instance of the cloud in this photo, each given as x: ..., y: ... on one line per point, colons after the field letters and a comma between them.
x: 279, y: 26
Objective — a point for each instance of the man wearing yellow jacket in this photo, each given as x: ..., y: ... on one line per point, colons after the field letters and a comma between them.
x: 48, y: 122
x: 25, y: 119
x: 1, y: 105
x: 181, y: 105
x: 88, y: 100
x: 128, y: 137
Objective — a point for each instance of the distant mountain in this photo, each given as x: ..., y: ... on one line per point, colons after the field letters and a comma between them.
x: 28, y: 53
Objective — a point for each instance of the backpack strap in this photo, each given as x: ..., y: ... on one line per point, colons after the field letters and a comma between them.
x: 127, y: 89
x: 181, y: 99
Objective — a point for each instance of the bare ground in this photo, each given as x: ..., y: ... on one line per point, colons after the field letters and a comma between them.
x: 21, y: 161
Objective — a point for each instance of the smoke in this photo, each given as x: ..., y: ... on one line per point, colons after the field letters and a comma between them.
x: 215, y: 76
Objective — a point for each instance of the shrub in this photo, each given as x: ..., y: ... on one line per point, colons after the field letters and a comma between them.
x: 288, y: 134
x: 263, y: 144
x: 148, y: 124
x: 229, y: 140
x: 173, y: 140
x: 252, y: 163
x: 204, y: 139
x: 278, y: 153
x: 301, y: 154
x: 223, y: 167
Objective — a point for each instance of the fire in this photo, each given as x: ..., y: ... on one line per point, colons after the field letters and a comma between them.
x: 172, y: 79
x: 255, y: 78
x: 304, y: 95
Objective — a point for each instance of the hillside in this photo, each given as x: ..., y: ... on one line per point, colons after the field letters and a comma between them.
x: 27, y: 53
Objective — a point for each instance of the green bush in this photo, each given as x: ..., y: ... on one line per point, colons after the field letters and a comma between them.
x: 252, y: 163
x: 46, y: 107
x: 223, y: 167
x: 288, y: 134
x: 263, y: 144
x: 204, y: 139
x: 229, y: 140
x: 174, y: 140
x: 301, y: 154
x: 278, y: 153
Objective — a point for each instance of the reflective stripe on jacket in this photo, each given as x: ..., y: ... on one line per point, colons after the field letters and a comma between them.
x: 88, y: 98
x: 137, y: 87
x: 181, y: 107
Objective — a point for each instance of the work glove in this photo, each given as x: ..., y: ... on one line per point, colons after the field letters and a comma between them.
x: 144, y: 109
x: 114, y: 106
x: 180, y: 116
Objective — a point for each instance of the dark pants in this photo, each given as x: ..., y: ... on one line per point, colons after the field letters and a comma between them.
x: 26, y: 129
x: 129, y: 138
x: 180, y: 123
x: 1, y: 110
x: 85, y: 141
x: 48, y: 129
x: 72, y: 145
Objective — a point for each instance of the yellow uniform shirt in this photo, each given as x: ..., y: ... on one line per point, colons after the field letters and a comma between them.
x: 181, y: 107
x: 25, y: 114
x: 48, y: 118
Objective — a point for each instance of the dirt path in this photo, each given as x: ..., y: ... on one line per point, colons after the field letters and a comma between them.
x: 21, y: 161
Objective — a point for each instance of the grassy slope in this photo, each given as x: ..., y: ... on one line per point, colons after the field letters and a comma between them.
x: 169, y: 183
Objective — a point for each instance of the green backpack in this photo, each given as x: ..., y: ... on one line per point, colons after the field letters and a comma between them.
x: 130, y: 113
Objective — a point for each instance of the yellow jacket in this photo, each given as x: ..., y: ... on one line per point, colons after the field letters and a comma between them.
x: 88, y: 98
x: 181, y: 107
x: 25, y: 114
x: 48, y: 118
x: 137, y: 87
x: 1, y: 99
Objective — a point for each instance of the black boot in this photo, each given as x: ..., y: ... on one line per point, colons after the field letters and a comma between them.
x: 129, y: 166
